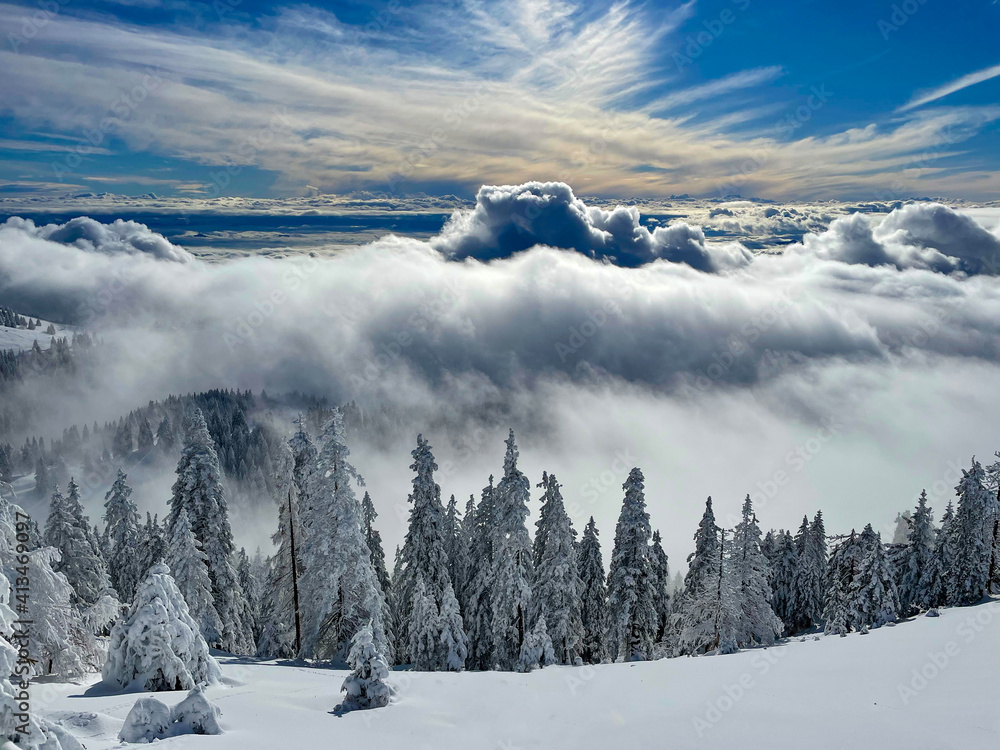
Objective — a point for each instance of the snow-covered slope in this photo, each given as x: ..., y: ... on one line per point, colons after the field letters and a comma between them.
x: 928, y: 684
x: 22, y: 339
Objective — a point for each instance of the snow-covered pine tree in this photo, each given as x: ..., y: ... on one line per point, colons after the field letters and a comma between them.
x: 915, y: 590
x: 661, y: 571
x: 536, y: 650
x: 79, y: 559
x: 200, y: 492
x: 152, y: 546
x: 374, y: 541
x: 784, y: 565
x: 810, y: 575
x: 189, y: 570
x: 593, y: 604
x: 511, y: 597
x: 425, y: 552
x: 144, y: 437
x: 454, y: 536
x: 454, y: 642
x: 59, y: 643
x: 166, y: 440
x: 756, y: 624
x: 478, y: 609
x: 121, y: 528
x: 158, y: 646
x: 281, y: 636
x: 872, y: 598
x: 632, y: 620
x: 943, y: 559
x: 969, y: 572
x: 339, y: 591
x: 251, y: 590
x: 702, y: 587
x: 365, y: 685
x: 993, y: 524
x: 845, y: 560
x: 557, y: 584
x: 424, y: 630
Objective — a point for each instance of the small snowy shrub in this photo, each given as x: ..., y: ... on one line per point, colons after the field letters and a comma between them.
x: 148, y: 720
x: 365, y: 685
x: 151, y: 720
x: 195, y: 715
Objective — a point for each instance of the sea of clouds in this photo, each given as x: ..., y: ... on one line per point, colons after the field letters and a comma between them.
x: 847, y: 372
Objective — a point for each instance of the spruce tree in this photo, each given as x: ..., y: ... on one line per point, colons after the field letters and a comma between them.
x: 840, y: 615
x: 152, y: 546
x: 454, y: 643
x: 810, y: 576
x: 189, y: 569
x: 424, y: 630
x: 478, y: 609
x: 340, y: 592
x: 594, y: 602
x: 970, y: 568
x: 511, y: 595
x: 79, y: 559
x: 373, y: 539
x: 425, y: 553
x: 915, y: 590
x: 702, y: 587
x: 872, y: 599
x: 454, y: 537
x: 557, y: 581
x: 199, y: 491
x: 632, y: 617
x: 661, y: 572
x: 121, y: 529
x: 757, y: 625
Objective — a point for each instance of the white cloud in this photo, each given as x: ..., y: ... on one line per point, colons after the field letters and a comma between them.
x: 971, y: 79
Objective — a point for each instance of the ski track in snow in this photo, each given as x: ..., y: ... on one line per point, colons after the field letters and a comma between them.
x: 828, y: 693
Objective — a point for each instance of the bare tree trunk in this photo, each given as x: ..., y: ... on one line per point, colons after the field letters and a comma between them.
x: 295, y: 576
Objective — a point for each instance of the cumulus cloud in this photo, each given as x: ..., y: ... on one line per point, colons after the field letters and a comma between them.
x: 508, y: 219
x: 93, y: 236
x: 919, y: 235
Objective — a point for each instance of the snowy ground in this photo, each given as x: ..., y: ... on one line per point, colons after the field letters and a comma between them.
x: 927, y: 684
x: 22, y: 339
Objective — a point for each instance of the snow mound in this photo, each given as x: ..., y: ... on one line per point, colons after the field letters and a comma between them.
x: 148, y: 720
x: 151, y: 719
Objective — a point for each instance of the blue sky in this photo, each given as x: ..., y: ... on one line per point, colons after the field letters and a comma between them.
x: 791, y: 100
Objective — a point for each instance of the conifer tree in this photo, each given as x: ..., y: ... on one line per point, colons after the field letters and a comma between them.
x: 661, y: 572
x: 189, y: 568
x: 365, y: 685
x: 79, y: 559
x: 158, y: 623
x: 424, y: 630
x: 152, y: 546
x: 374, y: 541
x: 632, y: 619
x: 969, y: 572
x: 702, y: 587
x: 810, y: 575
x: 757, y: 625
x: 340, y: 591
x: 593, y: 605
x: 454, y: 536
x: 557, y: 581
x: 511, y: 595
x: 425, y: 553
x: 201, y: 494
x: 872, y: 600
x: 478, y: 609
x: 144, y: 437
x: 840, y: 615
x: 915, y: 590
x: 121, y: 529
x: 454, y: 643
x: 166, y: 439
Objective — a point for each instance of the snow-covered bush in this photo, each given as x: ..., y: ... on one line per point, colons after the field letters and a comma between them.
x: 158, y: 645
x: 148, y: 720
x: 151, y: 719
x: 195, y: 715
x: 365, y: 685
